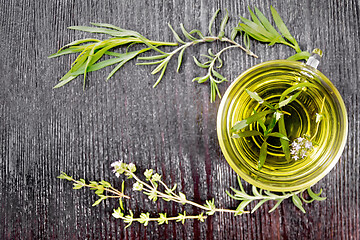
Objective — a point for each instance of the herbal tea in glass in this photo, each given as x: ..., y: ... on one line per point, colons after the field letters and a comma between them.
x: 282, y: 125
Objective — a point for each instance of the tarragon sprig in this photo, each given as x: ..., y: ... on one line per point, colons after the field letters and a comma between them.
x: 92, y: 50
x: 213, y: 76
x: 260, y: 28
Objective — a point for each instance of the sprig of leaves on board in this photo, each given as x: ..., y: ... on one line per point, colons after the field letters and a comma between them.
x: 260, y: 29
x: 91, y: 50
x: 263, y: 196
x: 155, y: 188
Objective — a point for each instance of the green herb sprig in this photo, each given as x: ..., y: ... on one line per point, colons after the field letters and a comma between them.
x: 91, y: 50
x: 264, y: 195
x: 154, y: 188
x: 260, y: 28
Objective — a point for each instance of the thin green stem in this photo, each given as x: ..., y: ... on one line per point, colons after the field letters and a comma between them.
x: 176, y: 198
x: 112, y: 190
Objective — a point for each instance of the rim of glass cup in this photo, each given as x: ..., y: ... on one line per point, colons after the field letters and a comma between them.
x: 220, y: 130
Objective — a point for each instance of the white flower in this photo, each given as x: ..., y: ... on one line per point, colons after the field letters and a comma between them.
x: 297, y: 147
x: 308, y: 145
x: 300, y: 139
x: 293, y: 151
x: 116, y: 164
x: 137, y: 186
x: 156, y: 177
x: 294, y: 144
x: 131, y: 167
x: 295, y: 157
x: 148, y: 173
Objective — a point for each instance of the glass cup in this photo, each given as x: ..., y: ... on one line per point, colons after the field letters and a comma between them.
x: 318, y: 113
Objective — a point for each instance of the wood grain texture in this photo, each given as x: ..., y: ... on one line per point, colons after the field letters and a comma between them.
x: 171, y: 128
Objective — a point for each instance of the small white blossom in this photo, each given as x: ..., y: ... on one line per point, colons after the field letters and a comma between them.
x: 156, y: 177
x: 148, y: 173
x: 131, y: 167
x: 138, y: 186
x: 300, y: 147
x: 308, y: 145
x: 297, y: 147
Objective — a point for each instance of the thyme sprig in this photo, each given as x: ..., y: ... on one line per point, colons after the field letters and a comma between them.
x: 154, y: 188
x: 98, y: 187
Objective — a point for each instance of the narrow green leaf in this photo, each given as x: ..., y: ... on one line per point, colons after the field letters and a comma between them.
x: 297, y: 202
x: 315, y: 196
x: 284, y: 143
x: 276, y: 205
x: 97, y: 202
x: 250, y: 133
x: 259, y: 29
x: 300, y: 56
x: 294, y: 88
x: 180, y: 58
x: 201, y: 79
x: 218, y: 75
x: 212, y: 21
x: 254, y: 96
x: 77, y: 186
x: 259, y: 204
x: 161, y: 75
x: 223, y: 24
x: 110, y: 32
x: 62, y: 83
x: 199, y: 33
x: 232, y: 196
x: 240, y: 184
x: 271, y: 125
x: 186, y: 33
x: 255, y: 191
x: 282, y: 27
x: 107, y: 25
x: 262, y: 156
x: 253, y: 118
x: 77, y: 42
x: 288, y: 100
x: 279, y: 135
x: 149, y: 63
x: 67, y: 51
x: 239, y: 125
x: 156, y: 57
x: 253, y: 16
x: 254, y: 34
x: 160, y: 66
x: 267, y: 25
x: 199, y: 64
x: 233, y: 34
x: 129, y: 56
x: 305, y: 200
x: 176, y: 35
x: 243, y: 204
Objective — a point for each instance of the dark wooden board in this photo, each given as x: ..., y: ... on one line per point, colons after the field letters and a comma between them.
x: 171, y: 129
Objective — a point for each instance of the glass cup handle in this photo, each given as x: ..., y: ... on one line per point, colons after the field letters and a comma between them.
x: 314, y: 59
